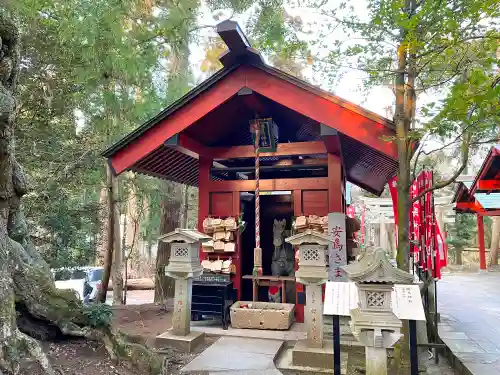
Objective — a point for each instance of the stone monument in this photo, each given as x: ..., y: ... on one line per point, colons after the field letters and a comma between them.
x: 184, y: 264
x: 312, y: 272
x: 373, y: 322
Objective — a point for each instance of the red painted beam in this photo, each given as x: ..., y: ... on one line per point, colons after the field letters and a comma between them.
x: 490, y: 213
x: 488, y: 185
x: 332, y: 144
x: 283, y: 149
x: 324, y: 108
x: 195, y: 149
x: 176, y: 122
x: 285, y: 184
x: 484, y: 168
x: 203, y: 195
x: 482, y: 248
x: 192, y: 147
x: 335, y: 191
x: 474, y: 206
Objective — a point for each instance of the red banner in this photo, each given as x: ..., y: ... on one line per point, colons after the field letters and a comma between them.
x: 393, y: 189
x: 427, y: 245
x: 415, y: 222
x: 363, y: 224
x: 351, y: 211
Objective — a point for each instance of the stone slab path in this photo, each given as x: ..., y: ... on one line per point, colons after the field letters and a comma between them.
x: 470, y: 319
x: 236, y: 355
x: 296, y: 332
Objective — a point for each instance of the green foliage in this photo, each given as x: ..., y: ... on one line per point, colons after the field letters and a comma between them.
x: 463, y: 232
x: 97, y: 58
x: 98, y: 315
x: 446, y: 49
x: 93, y: 71
x: 451, y: 51
x: 274, y: 32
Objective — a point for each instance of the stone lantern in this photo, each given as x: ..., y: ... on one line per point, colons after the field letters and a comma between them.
x: 184, y: 264
x: 373, y: 322
x: 184, y: 259
x: 312, y: 257
x: 313, y: 273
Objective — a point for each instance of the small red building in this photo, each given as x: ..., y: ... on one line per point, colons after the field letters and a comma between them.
x: 203, y: 140
x: 481, y: 196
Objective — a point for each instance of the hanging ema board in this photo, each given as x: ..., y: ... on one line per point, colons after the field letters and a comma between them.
x: 342, y: 297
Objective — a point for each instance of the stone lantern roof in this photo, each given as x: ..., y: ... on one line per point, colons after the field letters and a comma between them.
x: 309, y: 237
x: 375, y: 267
x: 184, y: 235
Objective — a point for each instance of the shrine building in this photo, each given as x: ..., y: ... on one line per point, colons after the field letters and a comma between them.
x: 481, y: 196
x: 311, y: 143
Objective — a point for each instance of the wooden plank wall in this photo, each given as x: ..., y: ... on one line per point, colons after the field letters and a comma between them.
x: 315, y: 202
x: 221, y: 204
x: 224, y: 204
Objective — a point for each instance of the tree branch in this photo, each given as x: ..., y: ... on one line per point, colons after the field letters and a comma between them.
x: 420, y: 151
x: 458, y: 172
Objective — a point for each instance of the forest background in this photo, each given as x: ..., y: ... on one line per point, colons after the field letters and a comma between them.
x: 92, y: 71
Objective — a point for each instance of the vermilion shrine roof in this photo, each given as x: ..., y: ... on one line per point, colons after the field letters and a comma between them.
x: 481, y: 195
x: 213, y: 119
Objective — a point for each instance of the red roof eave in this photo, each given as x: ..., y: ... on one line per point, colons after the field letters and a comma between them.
x: 345, y: 117
x: 494, y: 152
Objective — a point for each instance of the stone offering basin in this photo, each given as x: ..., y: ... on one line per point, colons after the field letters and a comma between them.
x: 262, y: 315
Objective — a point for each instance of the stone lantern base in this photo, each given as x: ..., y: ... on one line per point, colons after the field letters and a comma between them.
x: 186, y: 343
x: 306, y: 356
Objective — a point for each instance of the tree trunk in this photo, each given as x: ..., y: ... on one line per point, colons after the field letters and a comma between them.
x: 14, y: 345
x: 458, y: 255
x: 184, y: 206
x: 495, y: 238
x: 108, y: 256
x: 102, y: 239
x: 117, y: 266
x: 25, y: 279
x: 149, y: 250
x: 404, y: 112
x: 170, y: 211
x: 133, y: 217
x: 404, y: 168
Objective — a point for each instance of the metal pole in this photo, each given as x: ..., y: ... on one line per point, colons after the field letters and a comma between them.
x: 413, y: 347
x: 336, y: 345
x: 435, y: 249
x: 436, y: 321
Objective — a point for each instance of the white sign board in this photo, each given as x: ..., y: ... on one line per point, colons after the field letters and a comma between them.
x: 342, y: 297
x: 337, y: 250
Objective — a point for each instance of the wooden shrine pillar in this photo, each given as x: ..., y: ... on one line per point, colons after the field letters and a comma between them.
x: 299, y: 288
x: 203, y: 194
x: 237, y: 258
x: 335, y: 185
x: 482, y: 249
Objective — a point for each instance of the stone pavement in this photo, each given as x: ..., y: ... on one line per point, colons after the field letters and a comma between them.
x: 296, y: 332
x: 236, y: 355
x: 470, y: 320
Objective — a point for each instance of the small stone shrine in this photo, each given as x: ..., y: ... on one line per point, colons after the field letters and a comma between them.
x: 184, y: 264
x: 313, y: 273
x: 373, y: 321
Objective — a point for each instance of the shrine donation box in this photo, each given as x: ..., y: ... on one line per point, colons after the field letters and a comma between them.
x: 262, y: 315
